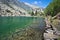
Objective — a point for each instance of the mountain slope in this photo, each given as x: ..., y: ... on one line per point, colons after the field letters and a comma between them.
x: 17, y: 3
x: 16, y: 7
x: 11, y: 5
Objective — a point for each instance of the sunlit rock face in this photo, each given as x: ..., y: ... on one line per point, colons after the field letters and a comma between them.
x: 10, y: 5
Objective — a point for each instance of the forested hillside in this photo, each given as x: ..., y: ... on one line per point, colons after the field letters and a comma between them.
x: 53, y: 8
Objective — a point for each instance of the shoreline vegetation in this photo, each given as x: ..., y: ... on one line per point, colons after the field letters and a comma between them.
x: 19, y: 16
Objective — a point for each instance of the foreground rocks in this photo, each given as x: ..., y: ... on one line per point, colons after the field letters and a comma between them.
x: 51, y: 31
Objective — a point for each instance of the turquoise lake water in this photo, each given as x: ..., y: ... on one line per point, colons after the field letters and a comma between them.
x: 10, y: 24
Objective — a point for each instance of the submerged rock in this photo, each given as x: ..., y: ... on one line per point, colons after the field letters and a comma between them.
x: 27, y: 34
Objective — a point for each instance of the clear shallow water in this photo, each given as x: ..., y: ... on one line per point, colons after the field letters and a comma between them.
x: 10, y: 24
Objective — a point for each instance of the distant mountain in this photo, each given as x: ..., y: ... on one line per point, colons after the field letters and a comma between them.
x: 32, y: 6
x: 16, y: 3
x: 19, y: 8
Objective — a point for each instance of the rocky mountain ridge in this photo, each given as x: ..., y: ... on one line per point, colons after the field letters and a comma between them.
x: 15, y: 8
